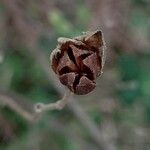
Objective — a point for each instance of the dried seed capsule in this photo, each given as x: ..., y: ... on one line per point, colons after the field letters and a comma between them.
x: 79, y: 61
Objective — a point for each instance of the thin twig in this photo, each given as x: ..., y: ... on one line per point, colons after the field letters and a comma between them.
x: 6, y: 100
x: 11, y: 102
x: 60, y: 104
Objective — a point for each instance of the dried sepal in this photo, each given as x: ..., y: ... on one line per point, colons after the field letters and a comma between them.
x: 79, y: 61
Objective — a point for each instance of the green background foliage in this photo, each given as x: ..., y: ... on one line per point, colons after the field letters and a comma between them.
x: 129, y: 71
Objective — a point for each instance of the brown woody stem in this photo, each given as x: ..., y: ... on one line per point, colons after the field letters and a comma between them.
x: 60, y: 104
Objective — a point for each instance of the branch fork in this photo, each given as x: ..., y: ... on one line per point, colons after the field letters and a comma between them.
x: 59, y: 105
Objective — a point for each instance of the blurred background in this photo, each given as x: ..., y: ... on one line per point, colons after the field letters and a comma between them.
x: 115, y: 116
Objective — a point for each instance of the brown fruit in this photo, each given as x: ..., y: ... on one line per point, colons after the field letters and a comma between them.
x: 79, y: 61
